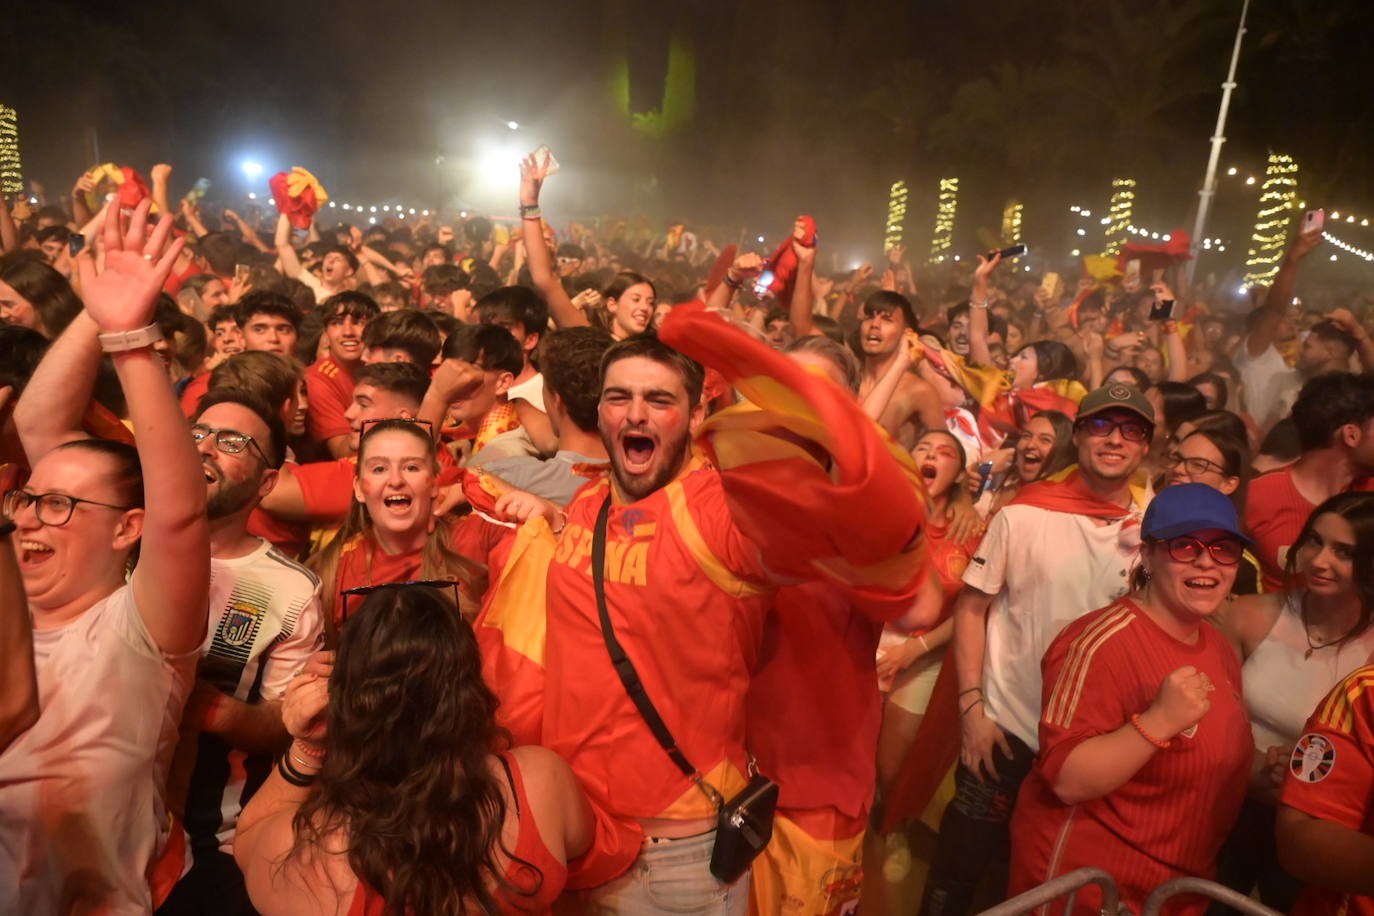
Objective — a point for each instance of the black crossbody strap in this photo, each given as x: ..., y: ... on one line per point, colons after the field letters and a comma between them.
x: 623, y: 666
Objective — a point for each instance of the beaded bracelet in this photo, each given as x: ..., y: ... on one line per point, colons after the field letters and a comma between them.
x: 307, y: 750
x: 1135, y: 720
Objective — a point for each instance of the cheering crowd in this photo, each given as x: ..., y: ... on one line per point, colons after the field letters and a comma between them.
x: 434, y: 566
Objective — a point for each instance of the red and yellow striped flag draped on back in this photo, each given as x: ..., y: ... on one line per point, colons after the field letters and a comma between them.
x: 801, y: 448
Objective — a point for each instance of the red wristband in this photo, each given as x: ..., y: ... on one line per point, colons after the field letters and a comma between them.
x: 1135, y: 720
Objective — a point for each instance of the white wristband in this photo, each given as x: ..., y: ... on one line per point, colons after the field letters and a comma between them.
x: 121, y: 341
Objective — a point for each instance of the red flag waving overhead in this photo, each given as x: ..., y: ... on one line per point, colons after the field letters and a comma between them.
x: 298, y: 194
x: 1157, y: 257
x: 809, y: 477
x: 783, y: 263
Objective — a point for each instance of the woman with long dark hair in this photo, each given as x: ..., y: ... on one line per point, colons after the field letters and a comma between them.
x: 1043, y: 448
x: 390, y: 534
x: 396, y: 796
x: 1296, y: 646
x: 34, y: 295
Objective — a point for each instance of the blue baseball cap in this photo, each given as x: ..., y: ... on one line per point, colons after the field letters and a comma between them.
x: 1188, y: 507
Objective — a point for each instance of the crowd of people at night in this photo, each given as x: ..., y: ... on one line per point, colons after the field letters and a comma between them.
x: 505, y: 564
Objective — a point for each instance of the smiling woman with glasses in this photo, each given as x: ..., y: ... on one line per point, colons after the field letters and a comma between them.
x: 1144, y: 742
x: 84, y: 789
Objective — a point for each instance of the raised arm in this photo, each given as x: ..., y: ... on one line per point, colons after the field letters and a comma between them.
x: 188, y: 213
x: 800, y: 308
x: 286, y: 254
x: 19, y: 700
x: 80, y: 212
x: 1280, y: 295
x: 161, y: 172
x: 564, y: 313
x: 50, y: 411
x: 978, y: 311
x: 9, y: 233
x: 172, y: 578
x: 249, y: 235
x: 745, y: 268
x: 1364, y: 347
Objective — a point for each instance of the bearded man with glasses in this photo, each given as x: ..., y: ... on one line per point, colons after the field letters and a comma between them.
x: 1064, y: 547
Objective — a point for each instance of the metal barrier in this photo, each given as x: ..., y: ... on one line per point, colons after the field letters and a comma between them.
x: 1237, y: 901
x: 1069, y: 885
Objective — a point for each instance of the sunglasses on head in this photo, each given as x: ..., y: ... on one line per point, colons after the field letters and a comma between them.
x: 1102, y: 427
x: 363, y: 591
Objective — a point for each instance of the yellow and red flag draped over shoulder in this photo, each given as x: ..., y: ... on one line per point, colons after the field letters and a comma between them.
x: 298, y: 194
x: 1066, y: 491
x: 809, y: 478
x: 510, y: 631
x: 1061, y: 394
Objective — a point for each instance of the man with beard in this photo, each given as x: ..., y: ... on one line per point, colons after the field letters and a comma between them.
x: 264, y: 623
x: 689, y: 575
x: 1064, y: 547
x: 915, y: 405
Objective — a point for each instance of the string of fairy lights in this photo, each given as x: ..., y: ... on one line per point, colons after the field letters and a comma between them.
x: 896, y: 215
x: 945, y: 208
x: 1011, y: 222
x: 1278, y: 196
x: 11, y: 167
x: 1119, y: 214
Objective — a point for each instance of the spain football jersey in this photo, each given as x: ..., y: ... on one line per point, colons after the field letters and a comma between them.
x: 1331, y: 776
x: 1170, y: 818
x: 330, y: 389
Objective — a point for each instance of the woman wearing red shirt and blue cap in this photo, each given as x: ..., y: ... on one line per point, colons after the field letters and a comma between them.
x: 1144, y: 740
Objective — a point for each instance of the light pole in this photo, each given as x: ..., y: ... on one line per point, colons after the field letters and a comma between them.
x: 1209, y: 181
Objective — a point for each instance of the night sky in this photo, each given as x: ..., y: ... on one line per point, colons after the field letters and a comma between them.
x: 783, y: 107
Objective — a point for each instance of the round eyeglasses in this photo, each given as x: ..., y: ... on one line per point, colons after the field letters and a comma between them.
x: 51, y: 509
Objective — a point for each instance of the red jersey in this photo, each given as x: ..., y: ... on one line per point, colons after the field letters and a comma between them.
x: 327, y: 487
x: 1167, y: 821
x: 686, y: 594
x: 291, y: 538
x: 813, y: 707
x: 329, y: 387
x: 1274, y: 515
x: 364, y: 563
x: 1331, y: 776
x: 193, y: 392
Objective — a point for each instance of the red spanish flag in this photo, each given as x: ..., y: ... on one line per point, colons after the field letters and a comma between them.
x: 809, y: 477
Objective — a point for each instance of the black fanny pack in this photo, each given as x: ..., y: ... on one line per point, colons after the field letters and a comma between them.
x: 744, y: 824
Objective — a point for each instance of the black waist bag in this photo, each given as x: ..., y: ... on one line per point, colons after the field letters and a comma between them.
x: 744, y: 824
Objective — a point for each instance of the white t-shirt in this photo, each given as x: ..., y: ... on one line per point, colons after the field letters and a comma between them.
x: 82, y: 808
x: 1269, y: 387
x: 531, y: 390
x: 265, y: 621
x: 1283, y: 683
x: 1045, y: 570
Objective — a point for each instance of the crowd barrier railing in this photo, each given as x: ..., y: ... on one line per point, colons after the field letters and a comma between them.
x: 1154, y: 904
x: 1066, y: 886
